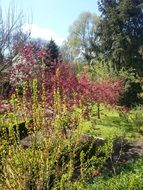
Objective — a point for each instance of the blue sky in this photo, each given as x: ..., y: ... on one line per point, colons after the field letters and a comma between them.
x: 52, y: 18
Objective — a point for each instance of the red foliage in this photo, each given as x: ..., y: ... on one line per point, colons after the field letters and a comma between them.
x: 107, y: 92
x: 72, y: 89
x: 64, y: 80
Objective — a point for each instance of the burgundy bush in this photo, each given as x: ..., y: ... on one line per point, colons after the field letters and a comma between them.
x: 30, y: 65
x: 107, y: 92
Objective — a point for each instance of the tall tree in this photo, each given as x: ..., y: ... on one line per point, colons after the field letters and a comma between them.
x: 10, y: 33
x: 67, y: 52
x: 82, y: 36
x: 121, y: 32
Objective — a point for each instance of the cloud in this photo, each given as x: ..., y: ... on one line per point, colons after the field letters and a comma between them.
x: 44, y: 33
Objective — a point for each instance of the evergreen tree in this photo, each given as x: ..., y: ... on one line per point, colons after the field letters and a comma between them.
x: 52, y: 51
x: 121, y: 33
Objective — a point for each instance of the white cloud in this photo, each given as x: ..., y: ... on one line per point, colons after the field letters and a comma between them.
x: 44, y: 33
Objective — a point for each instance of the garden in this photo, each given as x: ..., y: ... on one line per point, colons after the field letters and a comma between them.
x: 73, y: 124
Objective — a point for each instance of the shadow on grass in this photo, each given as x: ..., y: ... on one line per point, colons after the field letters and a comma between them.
x: 119, y: 122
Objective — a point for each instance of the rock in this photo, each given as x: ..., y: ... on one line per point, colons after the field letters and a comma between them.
x: 26, y: 142
x: 125, y: 152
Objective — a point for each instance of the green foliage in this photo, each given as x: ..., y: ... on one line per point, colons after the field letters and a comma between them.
x: 132, y: 82
x: 121, y: 33
x: 137, y: 119
x: 68, y: 146
x: 117, y: 124
x: 101, y: 71
x: 53, y: 50
x: 67, y: 53
x: 62, y: 151
x: 59, y: 154
x: 132, y: 88
x: 82, y: 37
x: 129, y: 179
x: 78, y: 68
x: 61, y: 160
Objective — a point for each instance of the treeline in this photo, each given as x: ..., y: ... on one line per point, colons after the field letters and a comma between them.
x: 115, y: 36
x: 113, y: 40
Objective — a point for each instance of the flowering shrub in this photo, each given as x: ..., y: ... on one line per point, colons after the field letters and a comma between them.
x: 27, y: 65
x: 107, y: 92
x: 30, y: 64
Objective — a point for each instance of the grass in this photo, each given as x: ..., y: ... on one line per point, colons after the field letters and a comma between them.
x: 129, y: 178
x: 129, y: 124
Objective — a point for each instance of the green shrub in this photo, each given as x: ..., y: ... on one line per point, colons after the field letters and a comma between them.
x: 136, y: 119
x: 58, y: 154
x: 132, y: 82
x: 132, y: 88
x: 129, y: 179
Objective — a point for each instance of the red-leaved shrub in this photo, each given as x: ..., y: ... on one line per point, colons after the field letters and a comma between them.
x: 30, y: 65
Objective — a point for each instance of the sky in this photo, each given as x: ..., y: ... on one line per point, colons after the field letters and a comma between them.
x: 50, y: 18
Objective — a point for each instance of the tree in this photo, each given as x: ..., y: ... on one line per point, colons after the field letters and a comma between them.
x: 10, y: 34
x: 53, y: 50
x: 82, y: 36
x: 12, y: 39
x: 121, y: 33
x: 67, y: 53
